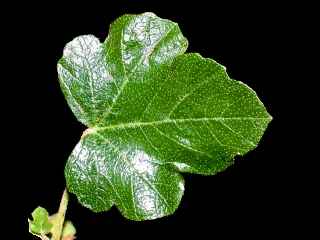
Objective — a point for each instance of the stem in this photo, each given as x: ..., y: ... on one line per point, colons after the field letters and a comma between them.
x: 57, y: 228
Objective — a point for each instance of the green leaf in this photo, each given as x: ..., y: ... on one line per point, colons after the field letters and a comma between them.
x: 152, y: 112
x: 68, y: 229
x: 40, y: 224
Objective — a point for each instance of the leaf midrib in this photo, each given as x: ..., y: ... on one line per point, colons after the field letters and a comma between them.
x: 169, y: 121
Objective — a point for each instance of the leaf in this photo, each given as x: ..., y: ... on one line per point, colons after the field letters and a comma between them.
x: 152, y: 112
x: 69, y: 230
x: 40, y: 224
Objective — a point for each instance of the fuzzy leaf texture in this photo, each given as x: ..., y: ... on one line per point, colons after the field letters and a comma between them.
x: 152, y: 112
x: 40, y: 224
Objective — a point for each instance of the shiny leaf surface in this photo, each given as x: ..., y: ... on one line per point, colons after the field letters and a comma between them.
x: 152, y: 111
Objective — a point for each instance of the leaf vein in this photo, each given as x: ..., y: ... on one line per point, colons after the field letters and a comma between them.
x: 173, y: 121
x: 124, y: 156
x: 237, y: 133
x: 186, y: 96
x: 181, y: 144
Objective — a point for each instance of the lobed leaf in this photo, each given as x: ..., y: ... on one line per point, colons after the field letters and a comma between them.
x: 152, y: 112
x: 40, y: 224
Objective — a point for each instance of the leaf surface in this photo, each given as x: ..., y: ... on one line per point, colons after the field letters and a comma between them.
x: 152, y: 111
x: 40, y: 224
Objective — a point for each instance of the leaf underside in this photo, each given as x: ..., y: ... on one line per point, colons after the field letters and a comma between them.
x: 152, y: 111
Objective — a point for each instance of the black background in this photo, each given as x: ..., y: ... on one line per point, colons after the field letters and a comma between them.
x: 249, y: 39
